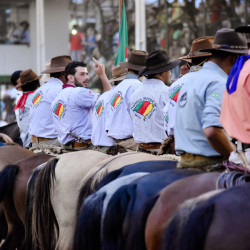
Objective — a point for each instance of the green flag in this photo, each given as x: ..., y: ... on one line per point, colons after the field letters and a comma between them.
x: 122, y: 53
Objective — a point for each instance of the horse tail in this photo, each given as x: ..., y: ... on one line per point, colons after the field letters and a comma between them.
x: 44, y: 224
x: 115, y: 215
x: 29, y: 208
x: 193, y: 233
x: 88, y: 228
x: 7, y: 181
x: 138, y: 232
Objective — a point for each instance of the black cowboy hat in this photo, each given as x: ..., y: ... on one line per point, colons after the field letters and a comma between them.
x: 158, y: 62
x: 229, y: 41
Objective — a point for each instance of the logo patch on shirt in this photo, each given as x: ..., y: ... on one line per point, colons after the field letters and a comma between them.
x: 99, y: 109
x: 174, y: 95
x: 144, y: 108
x: 36, y: 99
x: 59, y: 109
x: 116, y: 100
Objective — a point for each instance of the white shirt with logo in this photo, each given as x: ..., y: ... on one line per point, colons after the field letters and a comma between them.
x: 146, y: 110
x: 99, y: 135
x: 72, y: 113
x: 41, y: 121
x: 119, y: 123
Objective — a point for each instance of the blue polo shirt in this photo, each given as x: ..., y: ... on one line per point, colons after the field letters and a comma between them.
x: 198, y: 107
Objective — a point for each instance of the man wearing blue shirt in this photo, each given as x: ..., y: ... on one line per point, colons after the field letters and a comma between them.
x: 199, y: 136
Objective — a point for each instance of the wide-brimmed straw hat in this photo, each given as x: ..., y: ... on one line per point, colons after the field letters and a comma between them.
x: 27, y: 76
x: 229, y: 41
x: 197, y: 44
x: 246, y: 30
x: 136, y: 60
x: 118, y: 73
x: 57, y: 64
x: 158, y: 62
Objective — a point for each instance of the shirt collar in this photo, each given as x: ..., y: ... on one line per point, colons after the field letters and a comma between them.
x: 131, y: 76
x: 152, y: 81
x: 216, y: 67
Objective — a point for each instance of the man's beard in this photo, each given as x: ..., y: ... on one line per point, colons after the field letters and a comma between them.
x: 77, y: 84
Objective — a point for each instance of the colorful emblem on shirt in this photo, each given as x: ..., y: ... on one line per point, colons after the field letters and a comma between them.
x: 58, y: 109
x: 144, y: 108
x: 116, y: 100
x: 36, y: 99
x: 174, y: 95
x: 99, y: 109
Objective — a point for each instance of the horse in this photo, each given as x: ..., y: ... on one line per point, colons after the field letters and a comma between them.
x: 13, y: 183
x: 132, y: 203
x: 12, y: 153
x: 218, y: 219
x: 169, y: 199
x: 12, y: 130
x: 95, y: 205
x: 57, y: 188
x: 92, y: 213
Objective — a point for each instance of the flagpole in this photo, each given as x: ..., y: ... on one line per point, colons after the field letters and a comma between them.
x: 140, y: 25
x: 120, y: 12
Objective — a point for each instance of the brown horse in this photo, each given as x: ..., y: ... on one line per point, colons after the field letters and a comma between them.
x: 170, y: 198
x: 13, y: 185
x: 12, y: 153
x: 175, y: 194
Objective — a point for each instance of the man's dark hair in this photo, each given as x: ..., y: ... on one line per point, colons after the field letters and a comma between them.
x: 57, y: 74
x: 15, y: 76
x: 31, y: 86
x: 222, y: 55
x: 70, y: 69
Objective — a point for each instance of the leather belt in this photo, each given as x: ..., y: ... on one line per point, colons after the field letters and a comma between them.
x: 76, y: 144
x: 152, y: 145
x: 120, y: 140
x: 35, y: 139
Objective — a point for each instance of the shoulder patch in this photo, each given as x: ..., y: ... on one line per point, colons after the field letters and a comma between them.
x: 36, y: 99
x: 59, y: 109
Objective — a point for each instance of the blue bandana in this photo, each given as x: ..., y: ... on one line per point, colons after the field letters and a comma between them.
x: 234, y: 73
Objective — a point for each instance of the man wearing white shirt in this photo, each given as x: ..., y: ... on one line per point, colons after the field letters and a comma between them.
x: 41, y: 125
x: 118, y: 123
x: 100, y: 137
x: 72, y: 108
x: 147, y: 102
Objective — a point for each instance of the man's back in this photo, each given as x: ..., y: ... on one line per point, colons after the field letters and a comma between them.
x: 119, y: 123
x: 198, y: 107
x: 41, y: 122
x: 146, y: 110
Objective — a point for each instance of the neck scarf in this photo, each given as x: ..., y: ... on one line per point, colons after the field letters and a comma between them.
x: 21, y: 102
x: 68, y: 86
x: 234, y: 74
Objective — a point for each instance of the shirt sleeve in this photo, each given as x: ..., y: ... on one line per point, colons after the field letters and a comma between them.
x: 86, y: 98
x: 213, y: 101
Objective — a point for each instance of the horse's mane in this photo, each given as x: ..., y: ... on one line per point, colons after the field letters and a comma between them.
x: 232, y: 179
